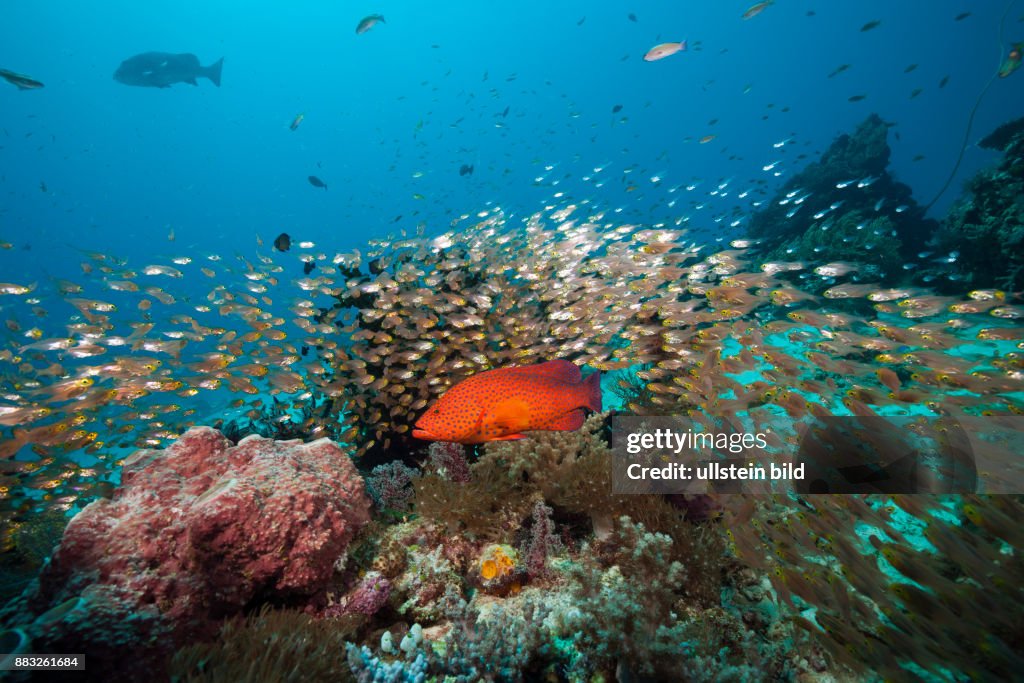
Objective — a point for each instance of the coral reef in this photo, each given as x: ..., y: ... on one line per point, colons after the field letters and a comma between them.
x: 622, y: 605
x: 984, y: 231
x: 26, y: 546
x: 369, y: 596
x: 844, y: 208
x: 1005, y: 136
x: 390, y: 486
x: 448, y: 461
x: 543, y: 542
x: 270, y: 646
x: 572, y: 472
x: 195, y: 533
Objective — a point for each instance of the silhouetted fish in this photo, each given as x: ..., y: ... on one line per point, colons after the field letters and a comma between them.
x: 308, y: 267
x: 369, y: 22
x: 23, y: 82
x: 164, y: 69
x: 466, y: 169
x: 316, y: 182
x: 283, y: 242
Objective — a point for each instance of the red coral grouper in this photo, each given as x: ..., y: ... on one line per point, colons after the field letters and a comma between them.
x: 498, y: 405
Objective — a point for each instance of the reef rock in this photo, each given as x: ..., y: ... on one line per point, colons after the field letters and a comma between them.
x: 816, y: 214
x: 982, y: 238
x: 200, y: 530
x: 1001, y: 139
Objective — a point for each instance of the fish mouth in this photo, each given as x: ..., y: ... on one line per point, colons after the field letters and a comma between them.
x: 424, y: 434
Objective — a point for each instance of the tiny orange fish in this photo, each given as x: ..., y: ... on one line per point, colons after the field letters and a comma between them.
x: 500, y: 404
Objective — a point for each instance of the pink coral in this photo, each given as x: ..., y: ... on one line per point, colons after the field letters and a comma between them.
x: 203, y: 527
x: 543, y: 541
x: 449, y: 460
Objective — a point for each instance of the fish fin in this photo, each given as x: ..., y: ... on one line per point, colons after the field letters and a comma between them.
x: 561, y: 370
x: 213, y: 71
x: 592, y: 392
x: 569, y: 422
x: 509, y: 437
x: 512, y: 415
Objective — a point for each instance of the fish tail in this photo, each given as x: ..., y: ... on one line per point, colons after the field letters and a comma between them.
x: 592, y: 392
x: 213, y: 71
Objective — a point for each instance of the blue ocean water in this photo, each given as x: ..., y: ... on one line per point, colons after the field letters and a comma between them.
x: 551, y: 105
x: 425, y: 93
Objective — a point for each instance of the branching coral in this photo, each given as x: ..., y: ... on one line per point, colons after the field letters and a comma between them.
x: 501, y: 641
x: 448, y: 461
x: 429, y: 588
x: 543, y: 542
x: 622, y: 604
x: 391, y: 486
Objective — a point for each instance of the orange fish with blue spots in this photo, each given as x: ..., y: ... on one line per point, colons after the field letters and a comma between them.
x: 501, y: 404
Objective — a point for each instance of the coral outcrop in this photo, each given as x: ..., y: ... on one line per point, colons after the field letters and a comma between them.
x: 984, y: 231
x: 846, y: 206
x: 196, y: 533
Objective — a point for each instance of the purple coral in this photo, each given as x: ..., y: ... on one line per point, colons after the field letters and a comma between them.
x: 543, y: 541
x: 370, y: 595
x: 449, y: 460
x: 390, y: 486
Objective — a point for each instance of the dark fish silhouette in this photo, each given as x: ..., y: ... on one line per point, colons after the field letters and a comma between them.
x: 466, y: 169
x: 308, y: 267
x: 164, y: 69
x: 617, y: 108
x: 368, y: 22
x: 22, y: 81
x: 283, y: 242
x: 316, y: 182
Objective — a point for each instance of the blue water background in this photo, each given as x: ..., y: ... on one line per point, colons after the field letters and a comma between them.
x: 124, y: 165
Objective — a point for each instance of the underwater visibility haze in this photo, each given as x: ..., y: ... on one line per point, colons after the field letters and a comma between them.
x: 374, y: 342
